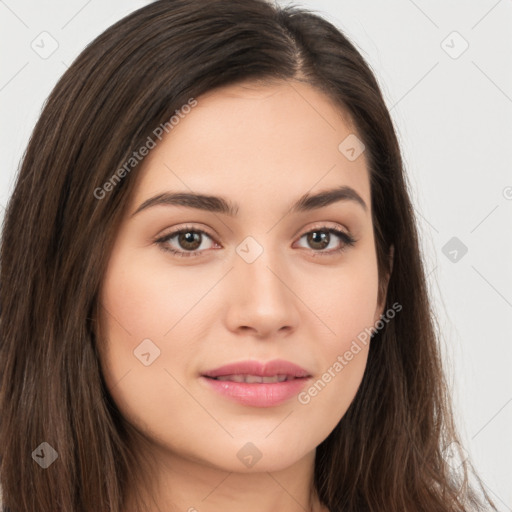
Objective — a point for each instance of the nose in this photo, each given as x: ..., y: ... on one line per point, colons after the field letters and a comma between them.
x: 261, y: 300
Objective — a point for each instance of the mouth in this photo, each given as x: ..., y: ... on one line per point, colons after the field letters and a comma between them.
x: 256, y: 384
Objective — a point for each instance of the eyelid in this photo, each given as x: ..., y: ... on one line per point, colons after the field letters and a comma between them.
x: 324, y: 225
x: 185, y: 227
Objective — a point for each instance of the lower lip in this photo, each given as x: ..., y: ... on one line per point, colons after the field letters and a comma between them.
x: 258, y: 394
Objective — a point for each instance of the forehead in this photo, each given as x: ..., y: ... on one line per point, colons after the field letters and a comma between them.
x: 252, y: 141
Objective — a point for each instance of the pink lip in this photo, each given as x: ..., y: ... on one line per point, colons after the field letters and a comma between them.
x: 274, y: 367
x: 258, y: 394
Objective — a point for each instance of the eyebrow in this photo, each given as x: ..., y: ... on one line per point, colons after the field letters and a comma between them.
x: 216, y: 204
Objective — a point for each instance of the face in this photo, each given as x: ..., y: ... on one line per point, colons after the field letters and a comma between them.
x: 280, y: 288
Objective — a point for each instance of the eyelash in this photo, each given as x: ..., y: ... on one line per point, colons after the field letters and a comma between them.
x: 347, y: 241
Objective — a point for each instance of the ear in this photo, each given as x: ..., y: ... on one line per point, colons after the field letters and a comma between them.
x: 380, y: 307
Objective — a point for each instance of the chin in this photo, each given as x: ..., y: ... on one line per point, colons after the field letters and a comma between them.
x: 260, y: 455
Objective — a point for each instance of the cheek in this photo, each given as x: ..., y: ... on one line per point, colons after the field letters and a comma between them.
x: 149, y: 320
x: 144, y: 298
x: 344, y: 300
x: 347, y: 302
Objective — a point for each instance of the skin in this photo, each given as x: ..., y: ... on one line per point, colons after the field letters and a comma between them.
x: 263, y: 147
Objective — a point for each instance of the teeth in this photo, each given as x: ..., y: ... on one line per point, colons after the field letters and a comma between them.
x: 251, y: 379
x: 254, y: 379
x: 237, y: 378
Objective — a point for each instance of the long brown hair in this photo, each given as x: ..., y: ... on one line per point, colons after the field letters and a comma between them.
x: 388, y: 451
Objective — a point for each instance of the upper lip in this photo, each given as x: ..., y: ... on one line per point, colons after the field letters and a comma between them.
x: 268, y: 369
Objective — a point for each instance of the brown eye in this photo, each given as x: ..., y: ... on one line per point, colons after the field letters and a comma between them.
x: 185, y: 242
x: 321, y: 238
x: 318, y: 239
x: 189, y: 240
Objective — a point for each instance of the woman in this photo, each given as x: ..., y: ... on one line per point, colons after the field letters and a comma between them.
x: 212, y: 291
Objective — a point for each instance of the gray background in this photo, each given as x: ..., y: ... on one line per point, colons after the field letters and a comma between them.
x: 452, y: 110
